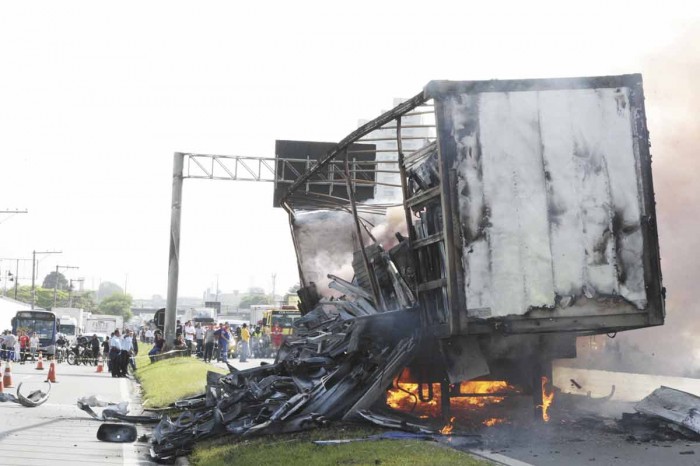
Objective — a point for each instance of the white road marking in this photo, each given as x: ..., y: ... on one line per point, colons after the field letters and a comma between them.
x: 498, y: 458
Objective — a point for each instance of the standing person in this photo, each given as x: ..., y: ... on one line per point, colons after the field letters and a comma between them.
x: 9, y: 344
x: 105, y: 350
x: 134, y: 351
x: 125, y: 356
x: 189, y: 335
x: 34, y: 344
x: 95, y: 346
x: 277, y: 336
x: 149, y: 336
x: 208, y: 343
x: 23, y: 345
x: 199, y: 338
x: 115, y: 351
x: 224, y: 338
x: 245, y: 339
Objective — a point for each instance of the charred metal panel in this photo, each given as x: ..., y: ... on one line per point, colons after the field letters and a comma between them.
x: 554, y: 202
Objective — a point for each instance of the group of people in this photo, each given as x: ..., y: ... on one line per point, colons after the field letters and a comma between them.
x: 18, y: 347
x: 201, y: 340
x: 121, y: 351
x: 206, y: 341
x: 214, y: 341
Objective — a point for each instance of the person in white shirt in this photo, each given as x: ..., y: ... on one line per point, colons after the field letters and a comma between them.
x: 189, y: 335
x: 115, y: 351
x: 34, y: 344
x: 149, y: 336
x: 199, y: 338
x: 127, y: 347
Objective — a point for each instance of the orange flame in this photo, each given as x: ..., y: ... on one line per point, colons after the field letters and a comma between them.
x: 546, y: 399
x: 449, y: 427
x: 405, y: 397
x: 493, y: 421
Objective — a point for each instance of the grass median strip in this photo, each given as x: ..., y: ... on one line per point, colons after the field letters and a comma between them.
x: 298, y: 449
x: 172, y: 379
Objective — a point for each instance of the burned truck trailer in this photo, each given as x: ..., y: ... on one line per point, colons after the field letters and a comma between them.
x: 458, y: 243
x: 528, y: 219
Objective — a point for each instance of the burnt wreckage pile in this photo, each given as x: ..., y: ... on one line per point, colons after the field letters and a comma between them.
x: 342, y: 360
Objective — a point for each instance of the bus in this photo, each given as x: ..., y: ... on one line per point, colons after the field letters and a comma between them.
x: 43, y: 323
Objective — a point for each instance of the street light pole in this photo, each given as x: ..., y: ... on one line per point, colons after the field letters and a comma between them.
x: 34, y: 253
x: 55, y: 282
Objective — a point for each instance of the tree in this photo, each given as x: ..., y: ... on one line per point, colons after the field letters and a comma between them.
x: 44, y: 298
x: 249, y: 300
x: 84, y: 300
x: 254, y: 290
x: 108, y: 289
x: 117, y: 304
x: 55, y: 279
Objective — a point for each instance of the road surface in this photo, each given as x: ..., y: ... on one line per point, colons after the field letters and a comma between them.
x: 57, y: 432
x: 583, y: 430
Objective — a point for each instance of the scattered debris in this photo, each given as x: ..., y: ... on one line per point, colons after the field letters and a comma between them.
x: 5, y: 397
x: 575, y: 384
x: 673, y: 405
x: 121, y: 433
x: 116, y: 411
x: 342, y: 360
x: 644, y: 428
x: 95, y: 401
x: 35, y: 398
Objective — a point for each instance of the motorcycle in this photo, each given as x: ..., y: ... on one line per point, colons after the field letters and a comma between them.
x: 260, y: 347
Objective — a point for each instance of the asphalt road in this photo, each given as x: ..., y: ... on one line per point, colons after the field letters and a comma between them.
x: 57, y: 432
x: 583, y: 429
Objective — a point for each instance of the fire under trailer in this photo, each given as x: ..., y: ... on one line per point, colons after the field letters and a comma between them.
x: 501, y: 219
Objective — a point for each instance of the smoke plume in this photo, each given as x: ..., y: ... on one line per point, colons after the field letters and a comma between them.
x: 672, y: 103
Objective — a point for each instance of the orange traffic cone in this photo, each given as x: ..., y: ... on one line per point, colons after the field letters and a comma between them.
x: 7, y: 378
x: 40, y: 363
x: 1, y: 384
x: 100, y: 364
x: 52, y: 373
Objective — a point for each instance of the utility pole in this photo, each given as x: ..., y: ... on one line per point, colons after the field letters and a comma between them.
x: 55, y: 282
x: 70, y: 290
x: 34, y: 253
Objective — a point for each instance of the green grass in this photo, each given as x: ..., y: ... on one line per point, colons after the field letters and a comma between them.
x: 142, y: 358
x: 297, y: 449
x: 167, y: 381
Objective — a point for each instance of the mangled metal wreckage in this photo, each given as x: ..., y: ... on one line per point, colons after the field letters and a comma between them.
x: 503, y: 219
